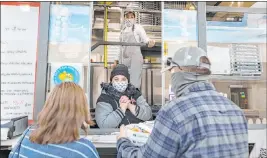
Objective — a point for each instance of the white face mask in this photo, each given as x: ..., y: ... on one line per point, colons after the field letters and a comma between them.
x: 129, y: 22
x: 120, y: 86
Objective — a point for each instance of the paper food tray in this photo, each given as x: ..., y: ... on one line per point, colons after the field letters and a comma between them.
x: 138, y: 133
x: 108, y: 139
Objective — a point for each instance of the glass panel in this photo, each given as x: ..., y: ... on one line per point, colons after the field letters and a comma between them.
x: 237, y: 50
x: 180, y: 30
x: 150, y: 20
x: 237, y: 4
x: 69, y: 41
x: 148, y: 15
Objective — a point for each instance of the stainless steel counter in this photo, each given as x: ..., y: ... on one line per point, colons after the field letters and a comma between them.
x: 101, y: 131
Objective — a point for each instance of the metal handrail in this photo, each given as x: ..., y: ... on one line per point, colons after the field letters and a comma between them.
x: 116, y: 43
x: 119, y: 44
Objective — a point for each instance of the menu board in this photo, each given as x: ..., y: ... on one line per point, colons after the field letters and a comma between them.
x: 19, y: 33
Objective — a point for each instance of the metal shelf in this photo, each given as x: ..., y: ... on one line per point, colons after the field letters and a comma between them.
x: 125, y: 10
x: 155, y: 28
x: 103, y: 5
x: 235, y: 78
x: 109, y: 10
x: 144, y: 11
x: 109, y: 29
x: 241, y: 55
x: 148, y: 29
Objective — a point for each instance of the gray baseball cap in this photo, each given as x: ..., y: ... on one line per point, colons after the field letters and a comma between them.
x: 186, y: 56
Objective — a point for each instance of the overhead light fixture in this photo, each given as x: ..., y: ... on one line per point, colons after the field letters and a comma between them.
x: 236, y: 86
x: 239, y: 4
x: 191, y: 7
x: 229, y: 19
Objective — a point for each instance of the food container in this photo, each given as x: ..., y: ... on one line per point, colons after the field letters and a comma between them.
x: 138, y: 133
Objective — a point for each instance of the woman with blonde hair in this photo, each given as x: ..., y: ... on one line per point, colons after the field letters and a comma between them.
x: 56, y: 134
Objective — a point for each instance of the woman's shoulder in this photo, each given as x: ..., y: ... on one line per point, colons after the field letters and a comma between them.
x: 82, y: 145
x: 89, y: 146
x: 86, y: 142
x: 103, y: 97
x: 29, y: 130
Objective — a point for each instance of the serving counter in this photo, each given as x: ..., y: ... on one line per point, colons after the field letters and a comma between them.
x: 105, y: 140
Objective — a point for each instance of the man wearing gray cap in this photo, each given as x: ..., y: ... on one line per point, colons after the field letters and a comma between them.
x: 199, y: 122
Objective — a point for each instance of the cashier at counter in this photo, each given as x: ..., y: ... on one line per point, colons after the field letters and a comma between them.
x: 120, y: 102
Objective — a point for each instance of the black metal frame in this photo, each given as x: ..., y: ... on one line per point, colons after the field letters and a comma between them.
x: 116, y: 43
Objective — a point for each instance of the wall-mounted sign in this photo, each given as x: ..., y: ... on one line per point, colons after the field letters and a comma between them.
x: 219, y: 66
x: 68, y: 72
x: 19, y: 33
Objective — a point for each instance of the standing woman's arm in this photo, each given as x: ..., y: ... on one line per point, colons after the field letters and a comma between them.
x: 142, y: 33
x: 118, y: 58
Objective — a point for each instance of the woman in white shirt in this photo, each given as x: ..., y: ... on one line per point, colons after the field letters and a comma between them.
x: 131, y: 56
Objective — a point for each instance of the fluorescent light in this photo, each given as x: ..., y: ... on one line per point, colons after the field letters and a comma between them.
x: 236, y: 86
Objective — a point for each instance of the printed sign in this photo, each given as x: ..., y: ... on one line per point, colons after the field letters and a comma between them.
x: 19, y: 33
x: 66, y: 74
x: 69, y: 72
x: 219, y: 66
